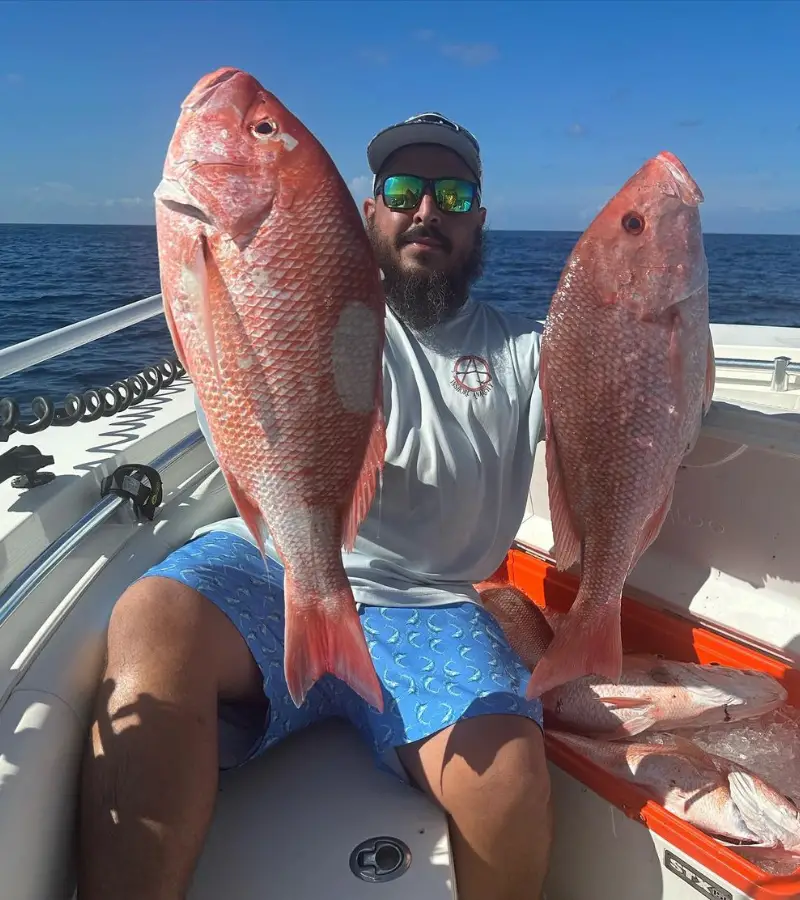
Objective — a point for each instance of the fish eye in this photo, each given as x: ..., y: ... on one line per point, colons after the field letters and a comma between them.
x: 264, y: 128
x: 633, y: 223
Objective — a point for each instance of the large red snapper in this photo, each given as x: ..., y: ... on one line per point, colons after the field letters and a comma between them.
x: 627, y: 369
x: 275, y: 305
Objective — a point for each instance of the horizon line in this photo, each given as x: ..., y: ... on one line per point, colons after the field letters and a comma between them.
x: 496, y: 230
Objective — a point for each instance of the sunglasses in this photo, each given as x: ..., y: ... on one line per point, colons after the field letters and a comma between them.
x: 405, y: 192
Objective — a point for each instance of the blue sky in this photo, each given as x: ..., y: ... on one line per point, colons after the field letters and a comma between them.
x: 567, y: 99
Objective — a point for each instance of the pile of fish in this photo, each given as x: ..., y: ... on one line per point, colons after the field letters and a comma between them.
x: 720, y: 797
x: 599, y: 717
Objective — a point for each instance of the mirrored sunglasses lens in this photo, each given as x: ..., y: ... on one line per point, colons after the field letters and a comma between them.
x: 402, y: 191
x: 454, y: 195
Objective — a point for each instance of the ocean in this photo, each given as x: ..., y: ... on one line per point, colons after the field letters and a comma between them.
x: 54, y: 275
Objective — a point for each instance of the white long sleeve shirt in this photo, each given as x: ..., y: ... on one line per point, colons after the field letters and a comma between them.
x: 463, y: 416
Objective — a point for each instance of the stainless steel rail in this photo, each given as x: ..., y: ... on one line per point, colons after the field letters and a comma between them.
x: 26, y: 354
x: 781, y: 368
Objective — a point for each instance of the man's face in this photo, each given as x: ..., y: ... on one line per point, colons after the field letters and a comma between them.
x: 429, y: 258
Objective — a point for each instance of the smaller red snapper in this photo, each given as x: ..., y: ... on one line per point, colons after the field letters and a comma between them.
x: 626, y: 371
x: 765, y: 810
x: 720, y: 797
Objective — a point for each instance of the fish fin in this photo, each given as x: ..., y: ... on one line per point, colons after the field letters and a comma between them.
x: 765, y: 811
x: 676, y: 365
x: 364, y: 492
x: 631, y: 727
x: 588, y: 642
x: 634, y: 724
x: 195, y: 280
x: 652, y: 527
x: 324, y: 636
x: 744, y: 793
x: 250, y: 513
x: 180, y: 350
x: 567, y: 543
x: 711, y: 375
x: 625, y: 702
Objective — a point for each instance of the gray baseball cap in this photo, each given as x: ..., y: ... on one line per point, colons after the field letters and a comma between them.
x: 426, y: 128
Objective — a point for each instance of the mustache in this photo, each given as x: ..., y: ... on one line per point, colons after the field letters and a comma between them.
x: 422, y: 231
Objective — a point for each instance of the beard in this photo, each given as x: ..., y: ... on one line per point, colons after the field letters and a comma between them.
x: 422, y: 299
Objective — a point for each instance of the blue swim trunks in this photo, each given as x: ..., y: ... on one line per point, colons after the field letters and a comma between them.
x: 436, y: 664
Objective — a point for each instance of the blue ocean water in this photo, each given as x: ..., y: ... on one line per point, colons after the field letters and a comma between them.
x: 54, y: 275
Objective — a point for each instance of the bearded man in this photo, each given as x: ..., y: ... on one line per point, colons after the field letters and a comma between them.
x: 463, y: 412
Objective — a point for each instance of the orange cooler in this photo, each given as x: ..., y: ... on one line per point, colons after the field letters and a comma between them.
x: 611, y: 841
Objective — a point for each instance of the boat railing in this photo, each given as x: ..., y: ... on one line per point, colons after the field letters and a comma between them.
x: 26, y: 354
x: 98, y: 401
x: 781, y: 368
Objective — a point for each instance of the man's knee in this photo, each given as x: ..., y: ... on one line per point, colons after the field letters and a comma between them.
x: 491, y: 766
x: 497, y: 764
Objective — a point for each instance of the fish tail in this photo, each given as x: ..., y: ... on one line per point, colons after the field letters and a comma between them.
x: 324, y: 636
x: 588, y: 642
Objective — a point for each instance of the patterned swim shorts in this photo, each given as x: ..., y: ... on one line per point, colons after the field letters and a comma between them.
x: 437, y: 664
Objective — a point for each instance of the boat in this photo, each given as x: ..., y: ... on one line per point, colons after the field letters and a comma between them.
x: 86, y: 506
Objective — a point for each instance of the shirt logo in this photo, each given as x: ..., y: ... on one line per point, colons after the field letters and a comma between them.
x: 471, y: 376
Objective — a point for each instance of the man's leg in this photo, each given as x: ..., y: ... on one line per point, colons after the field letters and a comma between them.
x: 150, y: 770
x: 464, y: 731
x: 204, y: 627
x: 489, y: 774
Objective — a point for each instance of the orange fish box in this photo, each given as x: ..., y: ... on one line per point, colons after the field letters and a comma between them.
x: 600, y: 849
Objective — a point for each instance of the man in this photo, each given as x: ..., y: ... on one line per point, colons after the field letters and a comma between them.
x: 463, y: 416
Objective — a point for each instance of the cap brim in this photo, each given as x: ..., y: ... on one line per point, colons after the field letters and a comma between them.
x: 406, y: 134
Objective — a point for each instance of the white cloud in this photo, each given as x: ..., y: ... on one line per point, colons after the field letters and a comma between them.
x: 55, y: 192
x: 360, y: 186
x: 125, y: 201
x: 59, y: 193
x: 477, y: 54
x: 13, y: 78
x: 576, y: 130
x: 374, y: 56
x: 471, y: 54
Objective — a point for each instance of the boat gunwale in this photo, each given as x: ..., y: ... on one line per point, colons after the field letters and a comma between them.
x: 26, y: 581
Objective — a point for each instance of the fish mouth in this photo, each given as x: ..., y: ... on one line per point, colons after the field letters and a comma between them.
x: 174, y: 196
x: 686, y: 187
x: 187, y: 165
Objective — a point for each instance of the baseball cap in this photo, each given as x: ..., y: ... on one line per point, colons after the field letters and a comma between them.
x: 426, y: 128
